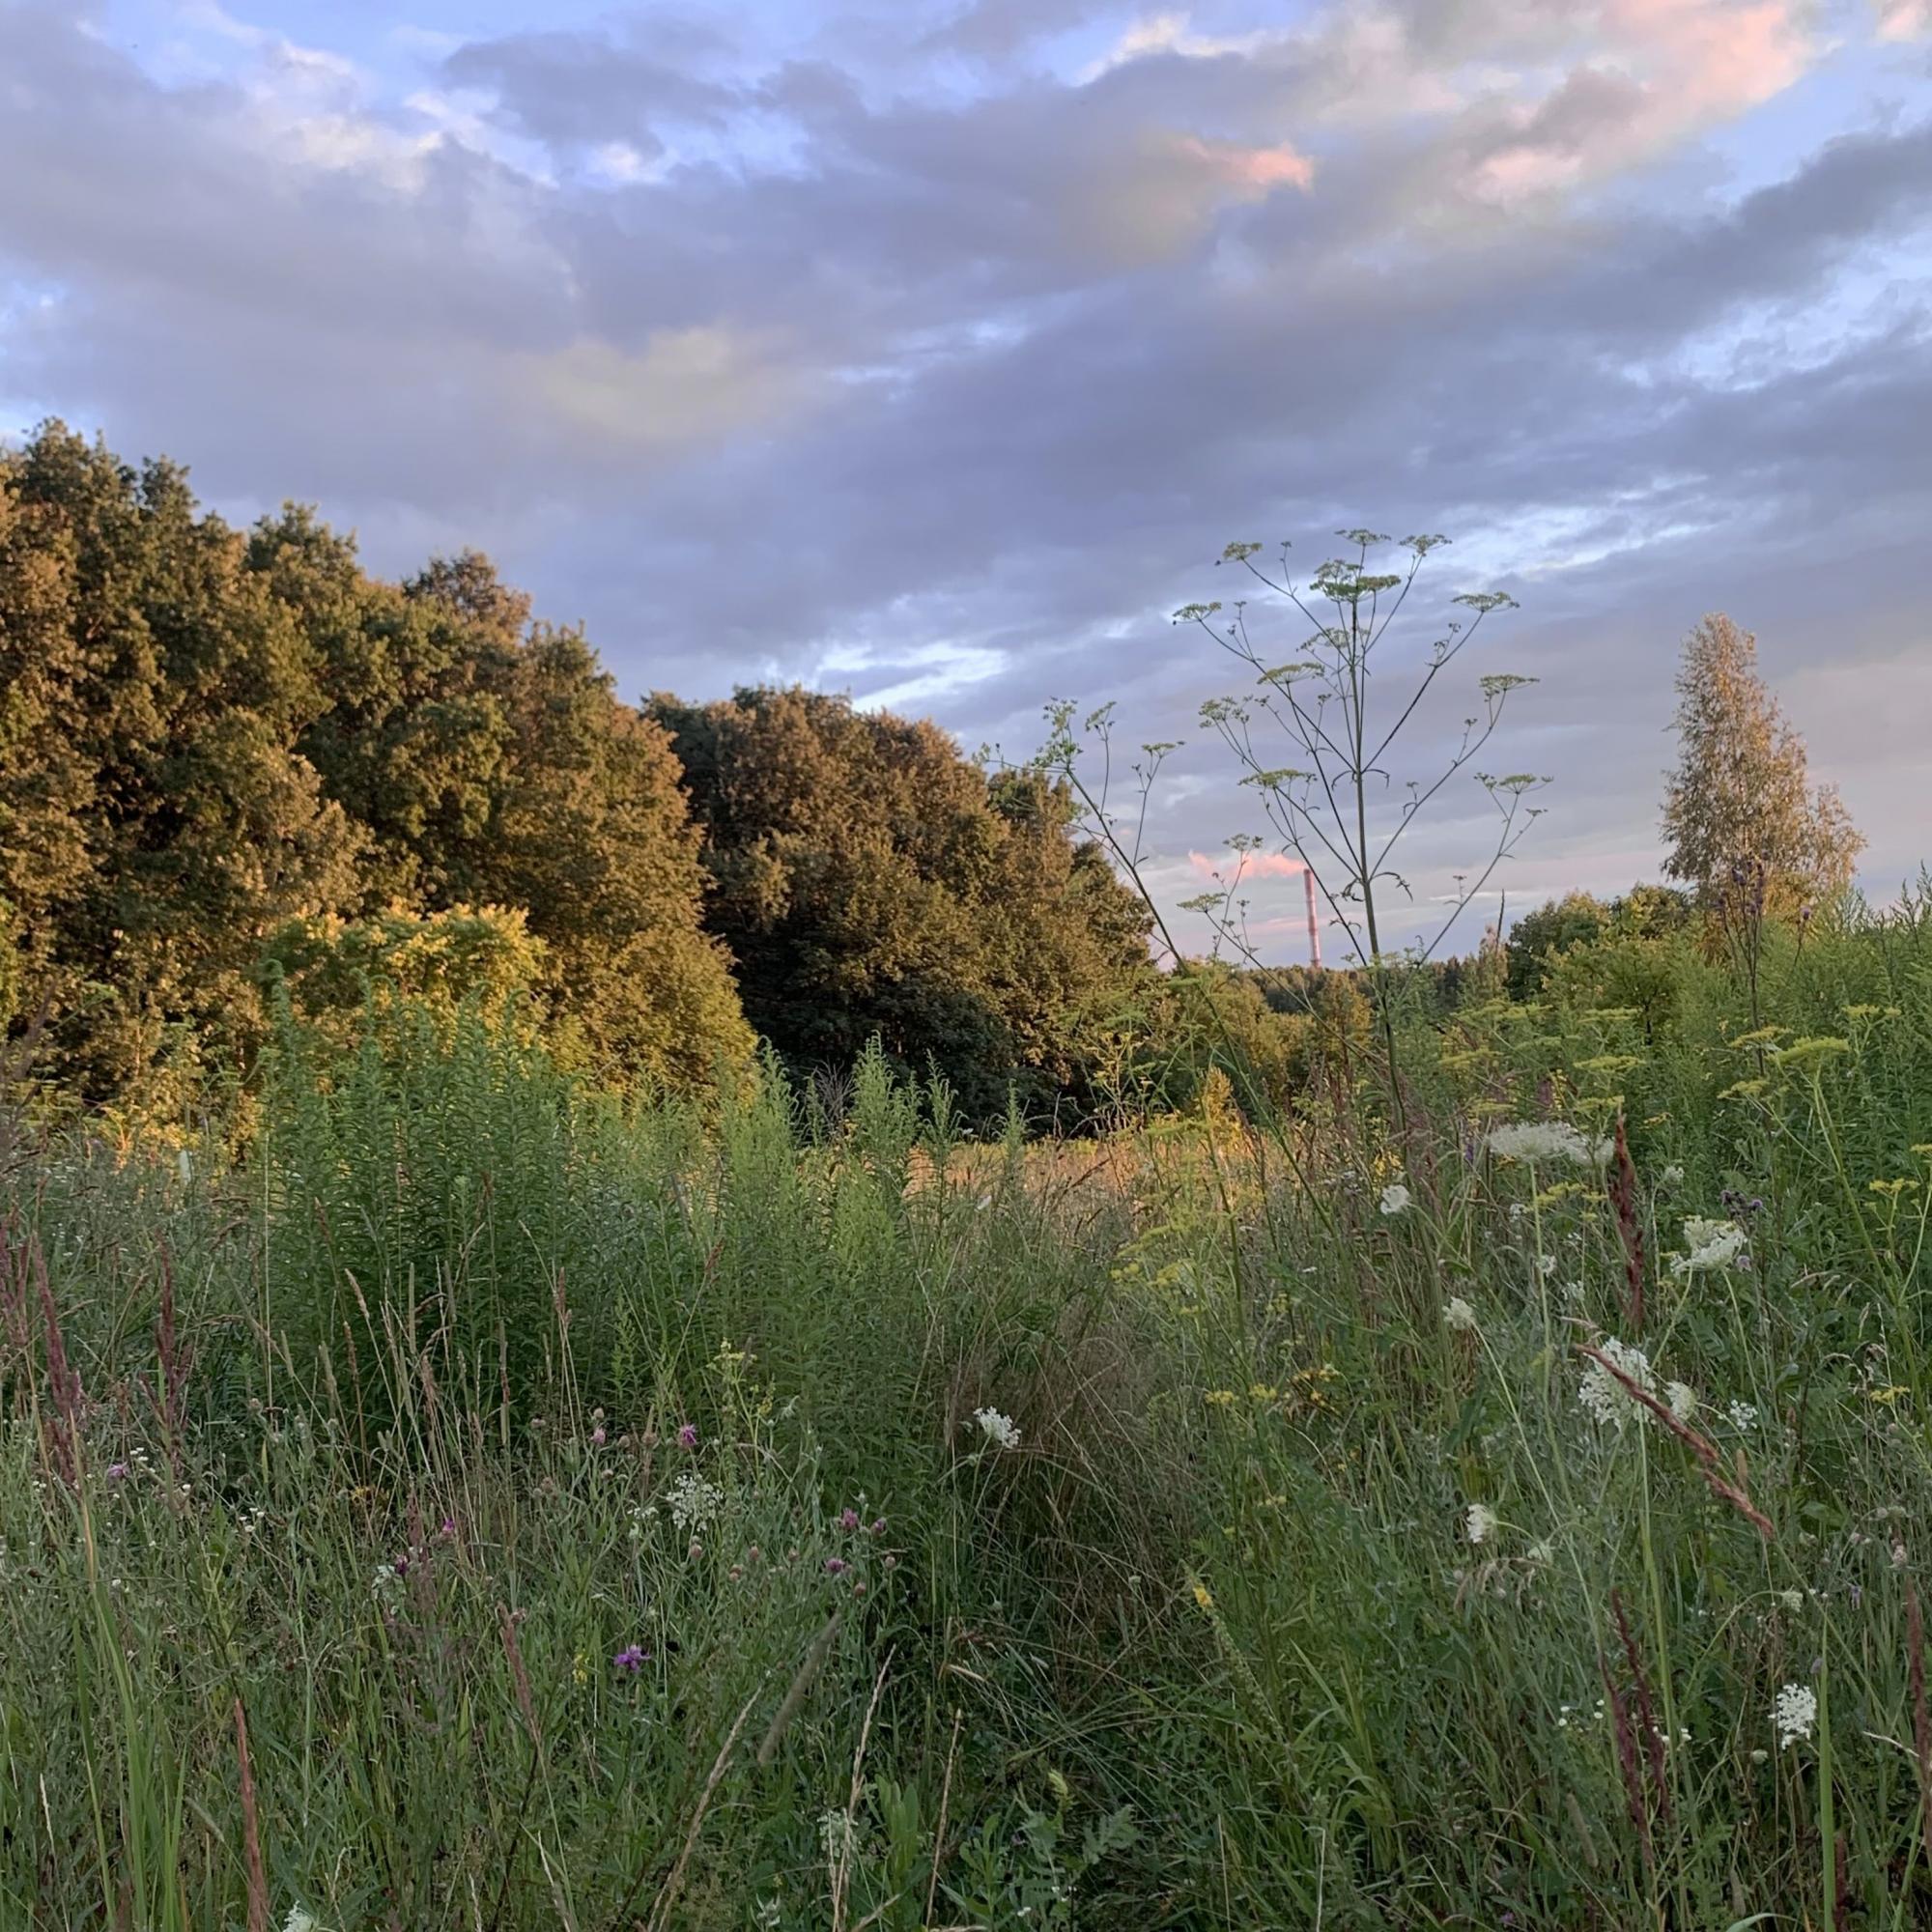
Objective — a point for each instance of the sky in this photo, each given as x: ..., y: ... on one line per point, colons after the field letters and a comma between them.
x: 932, y: 349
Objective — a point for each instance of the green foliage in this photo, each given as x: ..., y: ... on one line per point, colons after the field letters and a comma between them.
x: 379, y: 1435
x: 871, y: 882
x: 1738, y: 814
x: 157, y: 817
x: 336, y: 971
x: 1538, y: 939
x: 205, y: 737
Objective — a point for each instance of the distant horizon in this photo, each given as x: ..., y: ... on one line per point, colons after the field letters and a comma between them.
x: 931, y: 353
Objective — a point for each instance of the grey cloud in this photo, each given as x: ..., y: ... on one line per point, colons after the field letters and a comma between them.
x: 581, y: 88
x: 1002, y: 432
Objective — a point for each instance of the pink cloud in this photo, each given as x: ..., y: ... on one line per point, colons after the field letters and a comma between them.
x: 1251, y: 865
x: 1249, y: 170
x: 1903, y: 19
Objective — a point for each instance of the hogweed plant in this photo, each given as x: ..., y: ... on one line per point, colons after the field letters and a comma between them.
x: 1330, y: 807
x: 1337, y: 807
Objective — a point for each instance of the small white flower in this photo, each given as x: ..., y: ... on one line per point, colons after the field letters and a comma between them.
x: 1546, y: 1265
x: 692, y: 1502
x: 1672, y: 1176
x: 1792, y: 1600
x: 300, y: 1921
x: 1541, y: 1551
x: 1711, y: 1244
x: 1480, y: 1523
x: 835, y: 1834
x: 1683, y: 1399
x: 1604, y: 1397
x: 1793, y: 1713
x: 1459, y: 1315
x: 999, y: 1429
x: 1395, y: 1198
x: 1743, y: 1415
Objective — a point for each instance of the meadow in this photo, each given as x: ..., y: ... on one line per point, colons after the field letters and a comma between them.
x: 1497, y: 1498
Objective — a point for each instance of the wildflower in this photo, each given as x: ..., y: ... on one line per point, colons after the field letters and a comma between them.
x: 1792, y: 1600
x: 580, y: 1669
x: 835, y: 1566
x: 298, y: 1920
x: 999, y: 1430
x: 1480, y: 1522
x: 1546, y: 1140
x: 631, y: 1658
x: 1459, y: 1315
x: 879, y: 1526
x: 1546, y: 1265
x: 692, y: 1502
x: 1203, y: 1596
x: 687, y: 1436
x: 1394, y: 1199
x: 835, y: 1834
x: 597, y: 1437
x: 1683, y: 1399
x: 1712, y: 1244
x: 116, y: 1471
x: 1743, y: 1415
x: 1541, y: 1551
x: 1672, y: 1176
x: 447, y: 1528
x: 1794, y: 1713
x: 1604, y: 1397
x: 848, y: 1519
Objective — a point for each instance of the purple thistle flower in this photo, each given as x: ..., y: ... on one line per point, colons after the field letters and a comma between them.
x: 834, y: 1566
x: 879, y: 1526
x: 632, y: 1657
x: 448, y: 1526
x: 597, y: 1437
x: 687, y: 1436
x: 848, y: 1520
x: 116, y: 1471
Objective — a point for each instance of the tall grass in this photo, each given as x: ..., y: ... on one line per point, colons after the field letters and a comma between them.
x: 578, y: 1514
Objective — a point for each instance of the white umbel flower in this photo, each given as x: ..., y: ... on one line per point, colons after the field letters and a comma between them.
x: 999, y: 1430
x: 1711, y: 1244
x: 1683, y: 1399
x: 1459, y: 1315
x: 1480, y: 1522
x: 1547, y: 1141
x: 1604, y: 1397
x: 1794, y: 1715
x: 1396, y: 1198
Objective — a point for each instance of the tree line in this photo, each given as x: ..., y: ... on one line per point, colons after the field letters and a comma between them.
x: 232, y: 759
x: 234, y: 765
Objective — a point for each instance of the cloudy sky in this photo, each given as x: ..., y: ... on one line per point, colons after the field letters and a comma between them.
x: 932, y: 348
